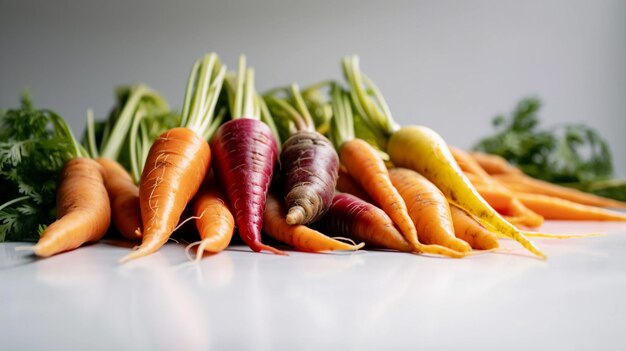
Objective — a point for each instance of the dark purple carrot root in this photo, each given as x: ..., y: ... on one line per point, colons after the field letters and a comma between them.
x: 244, y: 154
x: 351, y: 217
x: 309, y: 165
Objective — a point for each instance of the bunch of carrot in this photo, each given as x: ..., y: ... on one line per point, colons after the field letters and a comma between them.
x: 345, y: 172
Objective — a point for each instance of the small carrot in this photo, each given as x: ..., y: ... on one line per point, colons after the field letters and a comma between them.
x: 124, y: 199
x: 472, y: 232
x: 524, y: 183
x: 298, y: 236
x: 428, y: 209
x: 557, y: 208
x: 83, y: 209
x: 179, y: 159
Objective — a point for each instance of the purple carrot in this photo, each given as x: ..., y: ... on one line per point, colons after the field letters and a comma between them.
x: 309, y: 163
x: 352, y: 217
x: 244, y: 155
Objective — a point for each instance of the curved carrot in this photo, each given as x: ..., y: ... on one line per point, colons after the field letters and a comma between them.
x: 472, y: 232
x: 556, y: 208
x: 124, y: 199
x: 214, y: 220
x: 83, y: 209
x: 428, y: 209
x: 298, y: 236
x: 176, y: 165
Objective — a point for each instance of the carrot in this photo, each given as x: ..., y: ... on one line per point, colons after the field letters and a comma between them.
x: 524, y: 183
x: 556, y: 208
x: 308, y: 162
x: 366, y: 167
x: 83, y: 209
x: 494, y: 164
x: 178, y: 160
x: 352, y: 217
x: 472, y: 232
x: 214, y: 220
x: 298, y: 236
x: 245, y: 154
x: 346, y: 184
x: 124, y: 199
x: 422, y: 150
x: 428, y: 209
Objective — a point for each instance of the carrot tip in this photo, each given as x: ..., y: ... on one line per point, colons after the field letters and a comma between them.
x: 295, y: 215
x: 260, y: 247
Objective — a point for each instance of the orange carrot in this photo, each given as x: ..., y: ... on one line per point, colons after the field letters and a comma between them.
x: 472, y: 232
x: 494, y: 164
x: 124, y: 199
x: 83, y: 209
x: 299, y: 236
x: 214, y: 220
x: 556, y: 208
x: 524, y: 183
x: 428, y: 209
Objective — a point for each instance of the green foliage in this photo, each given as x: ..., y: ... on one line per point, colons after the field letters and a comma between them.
x: 33, y: 149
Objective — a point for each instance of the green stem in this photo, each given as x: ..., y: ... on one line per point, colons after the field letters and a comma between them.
x: 14, y: 201
x: 91, y: 135
x: 301, y: 107
x: 113, y: 145
x: 342, y: 123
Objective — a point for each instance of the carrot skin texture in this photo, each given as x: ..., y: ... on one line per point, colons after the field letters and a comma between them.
x: 299, y: 236
x: 428, y: 209
x: 175, y: 168
x: 422, y: 150
x: 472, y: 232
x: 244, y: 152
x: 309, y: 165
x: 352, y: 217
x: 124, y: 199
x: 214, y: 221
x: 83, y: 209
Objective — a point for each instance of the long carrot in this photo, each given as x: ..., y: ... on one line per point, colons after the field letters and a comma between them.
x: 472, y: 232
x: 524, y: 183
x: 124, y: 199
x: 214, y: 220
x: 298, y: 236
x: 556, y: 208
x: 428, y: 209
x: 421, y: 149
x: 494, y: 164
x: 308, y: 162
x: 245, y: 154
x: 83, y: 209
x: 179, y: 159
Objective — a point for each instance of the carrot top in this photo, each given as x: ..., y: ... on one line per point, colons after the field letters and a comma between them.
x: 290, y: 111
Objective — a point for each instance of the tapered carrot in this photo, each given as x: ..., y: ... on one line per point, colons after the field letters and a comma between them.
x: 428, y: 209
x: 556, y: 208
x: 299, y: 236
x: 366, y: 167
x: 472, y: 232
x: 179, y: 159
x: 494, y: 164
x: 527, y: 184
x: 83, y: 209
x: 124, y: 199
x: 214, y: 220
x: 346, y: 184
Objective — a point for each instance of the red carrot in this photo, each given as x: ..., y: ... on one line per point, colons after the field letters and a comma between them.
x: 244, y: 152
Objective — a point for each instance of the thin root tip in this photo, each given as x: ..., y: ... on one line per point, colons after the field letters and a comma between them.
x: 295, y: 215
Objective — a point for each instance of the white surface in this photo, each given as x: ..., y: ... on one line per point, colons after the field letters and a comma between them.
x: 368, y: 300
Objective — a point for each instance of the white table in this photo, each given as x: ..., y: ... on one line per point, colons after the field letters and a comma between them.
x: 84, y: 300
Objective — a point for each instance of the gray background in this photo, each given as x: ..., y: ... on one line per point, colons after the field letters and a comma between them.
x: 451, y: 65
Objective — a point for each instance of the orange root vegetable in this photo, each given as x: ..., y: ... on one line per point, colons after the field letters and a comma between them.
x: 214, y: 220
x: 176, y: 165
x: 556, y: 208
x: 428, y: 209
x: 524, y: 183
x: 299, y: 236
x: 472, y: 232
x: 368, y: 169
x: 494, y: 164
x: 346, y: 184
x: 83, y: 209
x: 124, y: 199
